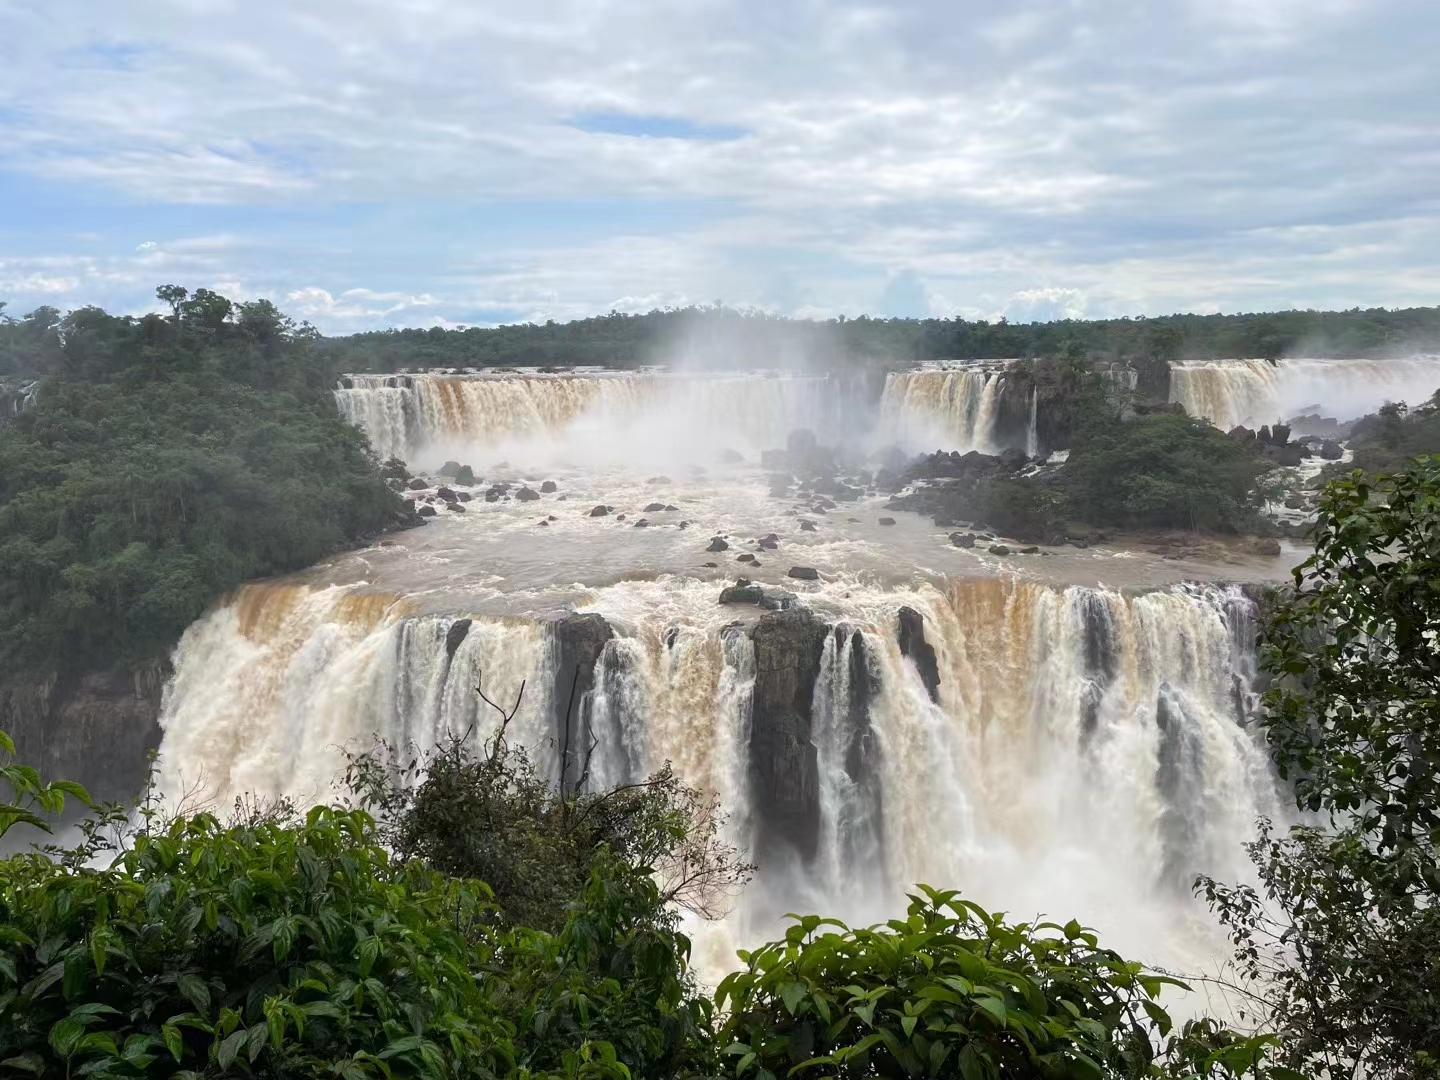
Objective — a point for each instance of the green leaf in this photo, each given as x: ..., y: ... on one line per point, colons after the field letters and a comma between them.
x: 173, y: 1040
x: 230, y: 1047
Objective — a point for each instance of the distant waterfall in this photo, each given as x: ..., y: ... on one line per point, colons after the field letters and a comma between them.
x: 1086, y: 754
x: 942, y: 409
x: 412, y: 416
x: 1257, y: 392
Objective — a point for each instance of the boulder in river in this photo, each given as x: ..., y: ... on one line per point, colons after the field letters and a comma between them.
x: 526, y: 495
x: 599, y: 511
x: 1331, y: 450
x: 548, y: 487
x: 464, y: 496
x: 457, y: 633
x: 999, y: 549
x: 742, y: 592
x: 465, y: 475
x: 718, y: 544
x: 887, y: 521
x: 807, y: 526
x: 655, y: 508
x: 455, y: 506
x: 448, y: 495
x: 426, y: 511
x: 804, y: 573
x: 417, y: 485
x: 450, y: 468
x: 1269, y: 546
x: 962, y: 540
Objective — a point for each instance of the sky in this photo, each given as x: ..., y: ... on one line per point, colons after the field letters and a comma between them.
x: 375, y: 163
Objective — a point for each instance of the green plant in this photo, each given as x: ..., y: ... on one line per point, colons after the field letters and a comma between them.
x: 955, y: 991
x: 32, y: 801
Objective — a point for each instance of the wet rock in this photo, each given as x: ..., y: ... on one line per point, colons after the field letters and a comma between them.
x: 492, y: 496
x: 417, y: 485
x: 1331, y: 450
x: 548, y: 487
x: 579, y: 641
x: 710, y: 565
x: 745, y: 557
x: 1280, y: 434
x: 641, y: 524
x: 778, y: 600
x: 784, y: 765
x: 659, y: 480
x: 887, y: 521
x: 1295, y: 502
x: 599, y: 511
x: 619, y: 517
x: 824, y: 504
x: 742, y: 592
x: 1028, y: 551
x: 962, y: 540
x: 718, y: 544
x: 1269, y: 546
x: 562, y: 498
x: 455, y: 635
x: 766, y: 544
x: 552, y: 517
x: 920, y: 651
x: 804, y: 573
x: 450, y: 468
x: 671, y: 508
x: 807, y: 526
x: 426, y: 511
x: 464, y: 496
x: 544, y: 523
x: 1291, y: 455
x: 526, y: 495
x: 654, y: 508
x: 999, y: 549
x: 447, y: 494
x: 455, y: 506
x: 683, y: 525
x: 465, y: 475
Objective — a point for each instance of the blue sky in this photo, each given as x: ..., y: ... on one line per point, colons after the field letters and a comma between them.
x: 373, y: 163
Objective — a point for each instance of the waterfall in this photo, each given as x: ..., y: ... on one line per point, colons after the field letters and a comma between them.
x: 1258, y: 392
x: 947, y: 409
x: 1085, y: 756
x: 1032, y: 433
x: 418, y: 416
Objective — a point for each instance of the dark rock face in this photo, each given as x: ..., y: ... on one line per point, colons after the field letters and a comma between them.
x: 97, y: 728
x: 1291, y: 455
x: 914, y: 645
x: 526, y: 495
x: 1179, y: 776
x: 465, y: 475
x: 1330, y: 450
x: 804, y: 573
x: 1280, y: 434
x: 457, y: 633
x: 742, y: 592
x: 548, y: 487
x: 578, y: 641
x: 784, y: 763
x: 718, y: 544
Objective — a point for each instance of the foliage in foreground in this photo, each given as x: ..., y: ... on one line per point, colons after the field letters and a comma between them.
x: 953, y: 990
x: 1340, y: 945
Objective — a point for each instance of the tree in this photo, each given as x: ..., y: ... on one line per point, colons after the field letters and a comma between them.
x: 1340, y: 945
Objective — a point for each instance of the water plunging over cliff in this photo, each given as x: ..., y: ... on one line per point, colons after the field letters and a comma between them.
x: 1257, y: 392
x: 1081, y: 753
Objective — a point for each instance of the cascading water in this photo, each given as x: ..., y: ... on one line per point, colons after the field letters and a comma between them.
x: 1084, y: 757
x: 1258, y: 392
x: 955, y: 409
x: 416, y: 417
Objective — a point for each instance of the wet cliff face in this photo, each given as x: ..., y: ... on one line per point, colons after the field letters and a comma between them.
x: 98, y: 728
x: 784, y: 763
x: 578, y: 641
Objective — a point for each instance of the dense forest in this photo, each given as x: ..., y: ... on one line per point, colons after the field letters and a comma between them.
x: 454, y: 914
x: 724, y: 336
x: 164, y: 461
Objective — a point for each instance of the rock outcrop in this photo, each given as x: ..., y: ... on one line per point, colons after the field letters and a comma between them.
x: 920, y: 651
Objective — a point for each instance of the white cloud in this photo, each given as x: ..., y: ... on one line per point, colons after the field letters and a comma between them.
x: 1145, y: 154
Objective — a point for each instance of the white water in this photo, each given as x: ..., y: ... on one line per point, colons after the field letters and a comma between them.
x: 951, y: 409
x: 1084, y: 759
x: 1257, y: 392
x: 614, y: 417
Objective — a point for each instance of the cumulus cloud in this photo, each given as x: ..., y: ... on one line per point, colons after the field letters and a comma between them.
x: 537, y: 160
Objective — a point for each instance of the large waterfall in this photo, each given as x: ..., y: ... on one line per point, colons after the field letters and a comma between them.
x: 1082, y: 753
x: 956, y: 409
x: 419, y: 416
x: 1256, y: 392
